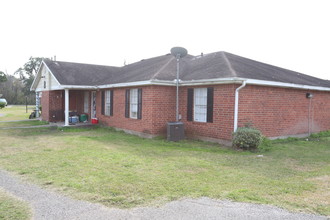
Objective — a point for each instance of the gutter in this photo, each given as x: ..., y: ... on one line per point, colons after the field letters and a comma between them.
x: 139, y: 83
x: 252, y: 82
x: 236, y: 104
x: 78, y: 87
x: 200, y: 82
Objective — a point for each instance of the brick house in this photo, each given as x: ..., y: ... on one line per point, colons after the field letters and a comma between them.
x: 218, y: 92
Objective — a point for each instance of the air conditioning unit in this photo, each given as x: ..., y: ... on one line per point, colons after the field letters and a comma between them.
x: 175, y: 131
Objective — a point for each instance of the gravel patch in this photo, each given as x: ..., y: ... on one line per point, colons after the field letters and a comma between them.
x: 50, y: 205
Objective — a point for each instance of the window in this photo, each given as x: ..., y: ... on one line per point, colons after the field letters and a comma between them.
x: 86, y: 102
x: 200, y: 105
x: 133, y: 103
x: 107, y: 102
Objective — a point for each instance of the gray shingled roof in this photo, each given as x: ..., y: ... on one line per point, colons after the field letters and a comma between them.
x: 210, y: 66
x: 80, y: 74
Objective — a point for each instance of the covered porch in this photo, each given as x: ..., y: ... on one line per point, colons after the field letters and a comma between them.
x: 66, y: 105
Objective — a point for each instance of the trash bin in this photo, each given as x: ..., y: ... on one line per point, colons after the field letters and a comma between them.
x: 83, y: 118
x: 175, y: 131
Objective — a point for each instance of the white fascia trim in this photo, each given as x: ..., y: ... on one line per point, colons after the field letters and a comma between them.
x: 251, y: 82
x: 73, y: 87
x: 211, y: 81
x: 83, y: 87
x: 37, y: 78
x: 172, y: 83
x: 139, y: 83
x: 235, y: 80
x: 285, y: 85
x: 52, y: 89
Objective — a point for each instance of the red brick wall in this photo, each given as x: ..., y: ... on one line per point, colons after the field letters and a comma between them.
x: 52, y: 105
x: 158, y: 107
x: 283, y: 111
x: 223, y: 114
x: 162, y: 102
x: 275, y: 111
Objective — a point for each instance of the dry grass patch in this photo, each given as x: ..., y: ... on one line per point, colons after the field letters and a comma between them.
x: 321, y: 194
x: 295, y: 164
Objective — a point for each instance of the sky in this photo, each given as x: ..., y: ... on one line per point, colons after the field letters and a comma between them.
x: 293, y: 34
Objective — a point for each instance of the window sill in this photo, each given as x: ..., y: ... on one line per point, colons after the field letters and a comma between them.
x: 199, y: 122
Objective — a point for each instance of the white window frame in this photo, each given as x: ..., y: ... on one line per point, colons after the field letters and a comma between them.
x: 200, y: 104
x: 86, y: 102
x: 107, y: 102
x: 133, y: 102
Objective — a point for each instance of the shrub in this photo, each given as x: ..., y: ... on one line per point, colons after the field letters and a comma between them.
x: 2, y: 105
x: 247, y: 138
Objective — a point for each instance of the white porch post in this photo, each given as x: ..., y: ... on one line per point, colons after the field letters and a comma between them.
x: 66, y: 107
x: 37, y: 104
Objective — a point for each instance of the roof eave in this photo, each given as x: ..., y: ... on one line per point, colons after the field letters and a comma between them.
x: 216, y: 81
x: 251, y: 82
x: 285, y: 85
x: 82, y: 87
x: 138, y: 83
x: 37, y: 78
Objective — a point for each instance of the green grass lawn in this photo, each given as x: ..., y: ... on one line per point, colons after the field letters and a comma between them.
x: 15, y: 112
x: 120, y: 170
x: 12, y: 208
x: 4, y: 124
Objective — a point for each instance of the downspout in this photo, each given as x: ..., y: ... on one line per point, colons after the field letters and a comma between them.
x: 310, y: 121
x: 236, y: 105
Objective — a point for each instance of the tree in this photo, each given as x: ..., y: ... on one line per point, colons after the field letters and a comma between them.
x: 11, y: 90
x: 30, y: 68
x: 27, y: 73
x: 3, y: 77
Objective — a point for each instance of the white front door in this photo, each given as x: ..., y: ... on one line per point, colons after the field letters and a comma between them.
x: 93, y: 104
